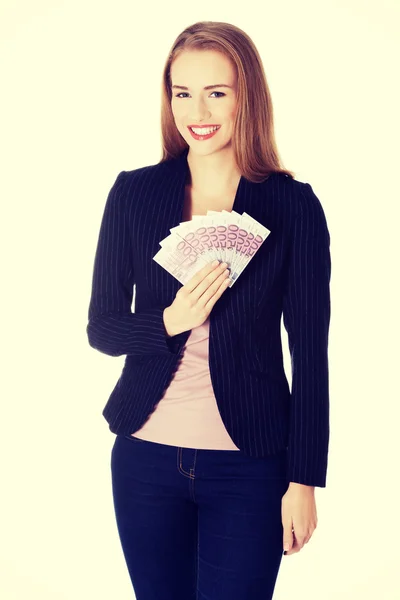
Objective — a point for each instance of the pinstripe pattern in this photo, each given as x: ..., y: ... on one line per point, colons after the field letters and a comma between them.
x: 289, y: 276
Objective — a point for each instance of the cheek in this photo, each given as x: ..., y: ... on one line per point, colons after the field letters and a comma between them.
x: 177, y: 110
x: 233, y: 109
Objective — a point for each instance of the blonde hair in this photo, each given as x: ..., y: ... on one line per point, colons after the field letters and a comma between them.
x: 253, y: 140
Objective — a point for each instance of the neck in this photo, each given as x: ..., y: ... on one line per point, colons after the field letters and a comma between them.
x: 213, y: 174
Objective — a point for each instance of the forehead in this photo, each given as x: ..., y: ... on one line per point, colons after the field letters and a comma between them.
x: 204, y: 67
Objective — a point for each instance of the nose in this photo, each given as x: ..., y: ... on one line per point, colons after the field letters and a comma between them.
x: 199, y: 112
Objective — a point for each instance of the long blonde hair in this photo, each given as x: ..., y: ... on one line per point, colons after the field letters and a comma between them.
x: 253, y: 140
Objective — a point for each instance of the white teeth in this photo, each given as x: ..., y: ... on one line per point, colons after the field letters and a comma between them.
x: 204, y: 131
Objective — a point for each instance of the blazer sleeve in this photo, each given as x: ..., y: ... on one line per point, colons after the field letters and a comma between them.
x: 112, y: 328
x: 306, y: 315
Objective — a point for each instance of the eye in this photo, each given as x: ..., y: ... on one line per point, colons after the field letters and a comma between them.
x: 180, y: 94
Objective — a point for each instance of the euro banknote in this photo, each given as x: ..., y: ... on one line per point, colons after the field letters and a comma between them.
x: 227, y: 236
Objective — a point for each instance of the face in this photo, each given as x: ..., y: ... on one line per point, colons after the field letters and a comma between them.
x: 195, y: 105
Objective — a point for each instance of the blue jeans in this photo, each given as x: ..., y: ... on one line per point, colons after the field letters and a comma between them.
x: 198, y: 524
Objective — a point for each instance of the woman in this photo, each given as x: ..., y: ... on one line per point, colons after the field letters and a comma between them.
x: 215, y: 462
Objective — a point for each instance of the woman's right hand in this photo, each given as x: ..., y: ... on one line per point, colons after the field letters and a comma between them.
x: 195, y: 300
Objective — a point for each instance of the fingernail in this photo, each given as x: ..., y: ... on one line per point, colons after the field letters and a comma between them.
x: 215, y: 263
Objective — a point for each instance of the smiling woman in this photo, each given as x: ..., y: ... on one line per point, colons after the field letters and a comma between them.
x: 215, y: 461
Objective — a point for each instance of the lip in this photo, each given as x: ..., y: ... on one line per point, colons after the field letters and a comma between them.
x: 204, y: 126
x: 203, y: 137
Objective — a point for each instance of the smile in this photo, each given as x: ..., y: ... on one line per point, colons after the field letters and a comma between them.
x: 204, y: 136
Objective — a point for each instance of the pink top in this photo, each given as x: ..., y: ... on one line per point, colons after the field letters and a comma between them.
x: 187, y: 415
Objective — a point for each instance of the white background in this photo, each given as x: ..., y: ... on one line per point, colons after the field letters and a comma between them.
x: 80, y: 102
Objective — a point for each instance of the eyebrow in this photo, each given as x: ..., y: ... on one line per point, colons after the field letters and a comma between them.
x: 207, y: 87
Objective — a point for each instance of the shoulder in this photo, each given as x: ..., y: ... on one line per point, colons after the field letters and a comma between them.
x: 292, y: 189
x: 300, y: 195
x: 129, y: 182
x: 135, y: 187
x: 136, y: 184
x: 143, y: 174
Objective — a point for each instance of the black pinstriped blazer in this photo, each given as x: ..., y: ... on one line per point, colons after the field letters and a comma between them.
x: 289, y: 276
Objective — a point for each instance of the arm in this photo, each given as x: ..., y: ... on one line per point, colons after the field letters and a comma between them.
x: 112, y: 328
x: 306, y: 315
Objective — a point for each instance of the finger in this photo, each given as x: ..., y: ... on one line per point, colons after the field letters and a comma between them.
x: 296, y: 547
x: 200, y: 275
x: 287, y: 537
x: 210, y: 284
x: 215, y: 291
x: 298, y: 544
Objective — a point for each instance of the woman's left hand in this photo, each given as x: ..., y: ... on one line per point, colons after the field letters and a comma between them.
x: 299, y: 516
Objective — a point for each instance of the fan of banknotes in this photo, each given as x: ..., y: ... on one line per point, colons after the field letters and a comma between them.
x: 227, y: 236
